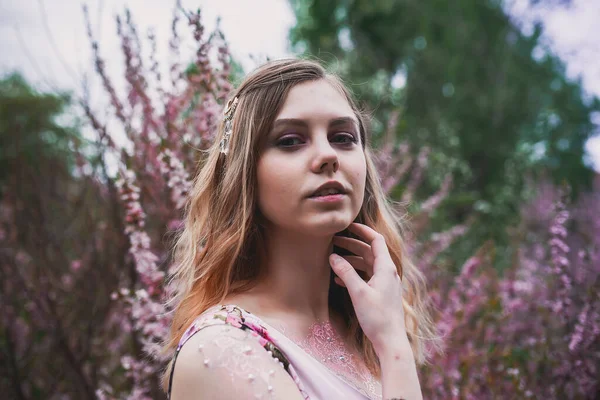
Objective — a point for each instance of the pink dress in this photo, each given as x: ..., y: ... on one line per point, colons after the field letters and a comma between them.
x: 314, y: 379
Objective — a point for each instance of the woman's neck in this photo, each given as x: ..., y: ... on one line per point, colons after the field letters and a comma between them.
x: 295, y: 279
x: 296, y: 274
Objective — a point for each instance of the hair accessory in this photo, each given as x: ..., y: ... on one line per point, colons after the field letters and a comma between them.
x: 228, y: 116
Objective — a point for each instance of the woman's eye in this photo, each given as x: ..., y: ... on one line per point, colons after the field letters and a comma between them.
x: 344, y: 138
x: 288, y: 141
x: 292, y: 141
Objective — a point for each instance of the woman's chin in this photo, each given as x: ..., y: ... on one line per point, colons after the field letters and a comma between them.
x: 328, y: 228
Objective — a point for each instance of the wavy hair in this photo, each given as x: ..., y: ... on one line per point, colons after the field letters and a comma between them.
x: 220, y: 248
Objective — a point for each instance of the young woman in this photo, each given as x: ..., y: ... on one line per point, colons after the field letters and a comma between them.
x: 265, y: 308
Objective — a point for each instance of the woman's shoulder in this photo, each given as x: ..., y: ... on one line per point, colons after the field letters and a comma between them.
x: 226, y: 353
x: 224, y: 362
x: 215, y: 315
x: 229, y: 315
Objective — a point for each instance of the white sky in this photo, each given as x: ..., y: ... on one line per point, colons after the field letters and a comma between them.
x: 37, y: 45
x: 53, y: 51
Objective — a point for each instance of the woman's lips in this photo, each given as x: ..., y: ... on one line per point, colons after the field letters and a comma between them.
x: 329, y: 198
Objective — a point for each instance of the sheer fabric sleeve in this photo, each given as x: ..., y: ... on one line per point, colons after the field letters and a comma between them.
x: 223, y: 362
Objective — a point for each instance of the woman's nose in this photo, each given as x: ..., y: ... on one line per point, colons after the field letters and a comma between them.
x: 326, y: 157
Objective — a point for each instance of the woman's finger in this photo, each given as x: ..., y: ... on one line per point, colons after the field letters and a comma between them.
x: 360, y: 264
x: 345, y: 271
x: 378, y: 246
x: 371, y: 236
x: 356, y: 246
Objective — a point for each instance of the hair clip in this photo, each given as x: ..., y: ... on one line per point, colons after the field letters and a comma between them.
x: 228, y: 117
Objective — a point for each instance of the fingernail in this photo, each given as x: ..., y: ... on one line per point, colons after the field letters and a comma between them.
x: 335, y: 258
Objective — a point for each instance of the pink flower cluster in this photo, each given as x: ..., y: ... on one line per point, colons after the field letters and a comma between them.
x: 178, y: 178
x: 165, y: 136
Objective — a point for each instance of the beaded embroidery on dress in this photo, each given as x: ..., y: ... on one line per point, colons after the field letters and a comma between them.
x: 326, y: 346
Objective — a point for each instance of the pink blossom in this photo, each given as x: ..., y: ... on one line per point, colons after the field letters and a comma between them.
x: 75, y: 265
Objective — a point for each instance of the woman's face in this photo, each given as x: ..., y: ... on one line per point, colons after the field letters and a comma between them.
x: 315, y: 140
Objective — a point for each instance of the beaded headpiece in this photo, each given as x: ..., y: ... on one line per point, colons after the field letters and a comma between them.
x: 228, y: 118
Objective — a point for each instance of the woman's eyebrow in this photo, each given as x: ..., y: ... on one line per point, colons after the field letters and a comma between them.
x: 290, y: 121
x: 302, y: 123
x: 343, y: 121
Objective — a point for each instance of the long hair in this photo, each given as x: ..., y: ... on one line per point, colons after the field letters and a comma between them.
x: 221, y: 246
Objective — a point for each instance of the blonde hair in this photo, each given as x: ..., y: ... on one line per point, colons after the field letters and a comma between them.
x: 221, y: 246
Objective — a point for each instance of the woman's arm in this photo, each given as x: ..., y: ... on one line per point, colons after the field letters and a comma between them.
x: 225, y: 363
x: 382, y: 291
x: 399, y: 378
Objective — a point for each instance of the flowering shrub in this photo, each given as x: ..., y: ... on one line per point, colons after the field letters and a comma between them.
x: 165, y: 135
x: 532, y: 331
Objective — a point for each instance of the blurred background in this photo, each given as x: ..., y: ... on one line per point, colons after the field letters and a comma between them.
x: 486, y: 126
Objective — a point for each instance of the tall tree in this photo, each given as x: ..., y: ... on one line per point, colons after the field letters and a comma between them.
x: 29, y: 130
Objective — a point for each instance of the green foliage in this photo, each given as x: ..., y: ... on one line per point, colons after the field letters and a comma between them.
x: 474, y: 92
x: 30, y: 131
